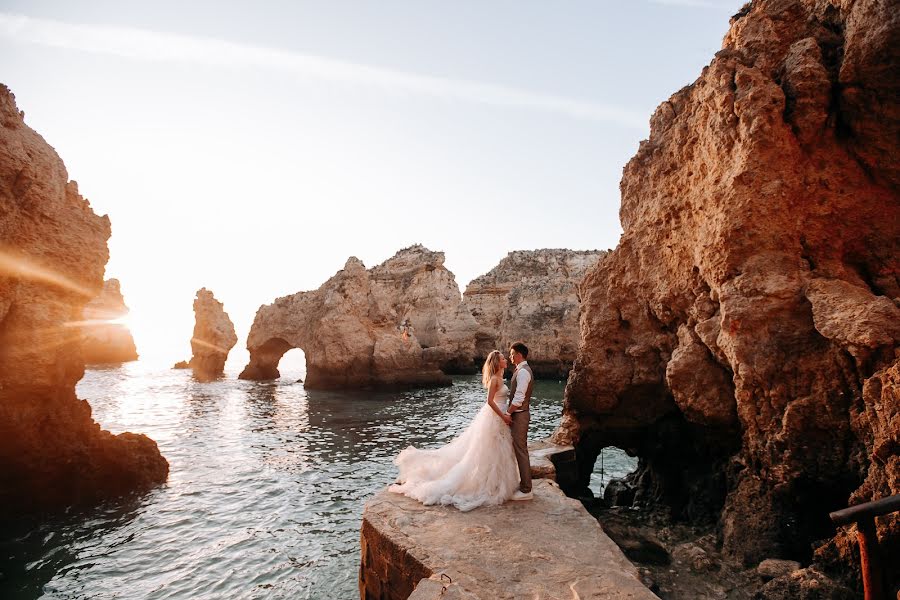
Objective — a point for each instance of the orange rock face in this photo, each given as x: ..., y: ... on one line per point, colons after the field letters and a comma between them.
x: 52, y: 257
x: 742, y: 339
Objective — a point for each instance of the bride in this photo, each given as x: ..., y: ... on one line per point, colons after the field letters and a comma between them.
x: 477, y: 468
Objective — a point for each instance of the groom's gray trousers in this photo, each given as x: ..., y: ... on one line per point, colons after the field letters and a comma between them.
x: 519, y: 429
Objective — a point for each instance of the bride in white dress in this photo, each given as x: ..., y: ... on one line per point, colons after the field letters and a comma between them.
x: 477, y: 468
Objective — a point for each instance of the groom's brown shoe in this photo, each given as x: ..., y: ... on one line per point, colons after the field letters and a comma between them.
x: 520, y: 495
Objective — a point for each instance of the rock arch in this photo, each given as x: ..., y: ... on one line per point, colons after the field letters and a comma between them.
x: 399, y: 324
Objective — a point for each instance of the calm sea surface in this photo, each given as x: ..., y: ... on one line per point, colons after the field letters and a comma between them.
x: 265, y: 492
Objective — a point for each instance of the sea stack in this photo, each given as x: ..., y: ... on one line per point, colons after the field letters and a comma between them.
x: 742, y: 338
x: 532, y: 295
x: 52, y: 257
x: 105, y: 341
x: 399, y: 324
x: 213, y: 338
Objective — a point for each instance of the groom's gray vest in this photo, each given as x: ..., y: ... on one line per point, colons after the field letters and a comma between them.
x: 512, y: 388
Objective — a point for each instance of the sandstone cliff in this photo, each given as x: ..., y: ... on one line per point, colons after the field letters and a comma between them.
x: 103, y: 341
x: 52, y: 257
x: 213, y: 338
x: 399, y: 324
x: 532, y: 295
x: 742, y: 338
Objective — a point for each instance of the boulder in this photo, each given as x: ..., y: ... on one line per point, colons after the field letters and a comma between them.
x: 776, y: 567
x: 52, y: 257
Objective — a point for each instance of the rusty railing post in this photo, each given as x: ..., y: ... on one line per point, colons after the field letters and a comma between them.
x: 869, y: 557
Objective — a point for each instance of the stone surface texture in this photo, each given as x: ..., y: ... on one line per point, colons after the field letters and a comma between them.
x: 742, y: 339
x: 52, y: 258
x: 399, y: 324
x: 532, y: 296
x: 547, y: 548
x: 104, y: 342
x: 213, y: 338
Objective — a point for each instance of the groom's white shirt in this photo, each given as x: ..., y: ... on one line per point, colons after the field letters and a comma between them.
x: 522, y: 377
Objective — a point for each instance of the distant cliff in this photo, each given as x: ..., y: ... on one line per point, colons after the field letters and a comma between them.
x: 105, y: 341
x: 532, y: 296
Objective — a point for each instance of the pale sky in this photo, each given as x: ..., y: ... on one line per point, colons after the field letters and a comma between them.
x: 251, y: 148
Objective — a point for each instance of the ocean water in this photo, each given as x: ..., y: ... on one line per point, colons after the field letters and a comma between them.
x: 265, y: 493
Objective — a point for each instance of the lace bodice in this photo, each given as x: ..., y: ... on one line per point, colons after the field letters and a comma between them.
x: 501, y: 397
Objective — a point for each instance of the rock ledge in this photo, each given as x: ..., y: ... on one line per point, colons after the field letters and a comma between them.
x: 546, y: 548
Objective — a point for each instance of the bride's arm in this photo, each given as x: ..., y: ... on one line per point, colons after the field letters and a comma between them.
x: 492, y: 391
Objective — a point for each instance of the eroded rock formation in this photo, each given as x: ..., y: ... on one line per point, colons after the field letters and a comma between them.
x: 52, y: 257
x: 399, y: 324
x: 213, y: 338
x: 742, y: 337
x: 532, y: 295
x: 105, y: 341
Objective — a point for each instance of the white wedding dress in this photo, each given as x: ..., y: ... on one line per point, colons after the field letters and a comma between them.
x: 477, y: 468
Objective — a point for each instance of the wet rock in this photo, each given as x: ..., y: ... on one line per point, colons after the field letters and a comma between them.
x: 695, y: 557
x: 618, y: 492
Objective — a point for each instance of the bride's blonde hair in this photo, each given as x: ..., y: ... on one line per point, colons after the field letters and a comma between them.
x: 491, y: 366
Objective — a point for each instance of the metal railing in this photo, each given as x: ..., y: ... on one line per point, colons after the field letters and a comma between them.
x: 869, y: 557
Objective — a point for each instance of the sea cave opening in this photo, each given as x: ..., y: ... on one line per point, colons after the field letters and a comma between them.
x: 612, y: 463
x: 292, y: 365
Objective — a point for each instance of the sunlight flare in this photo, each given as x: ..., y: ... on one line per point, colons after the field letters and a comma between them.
x: 21, y: 267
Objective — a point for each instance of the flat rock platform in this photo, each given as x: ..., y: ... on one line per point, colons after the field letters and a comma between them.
x: 543, y: 549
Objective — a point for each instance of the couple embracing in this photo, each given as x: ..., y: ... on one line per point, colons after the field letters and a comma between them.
x: 487, y: 464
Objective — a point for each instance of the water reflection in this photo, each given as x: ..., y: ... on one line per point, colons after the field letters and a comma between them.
x: 265, y: 493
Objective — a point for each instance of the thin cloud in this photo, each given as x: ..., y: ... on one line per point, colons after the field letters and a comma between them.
x: 141, y: 44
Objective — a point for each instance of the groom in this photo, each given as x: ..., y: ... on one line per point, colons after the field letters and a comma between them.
x: 520, y: 386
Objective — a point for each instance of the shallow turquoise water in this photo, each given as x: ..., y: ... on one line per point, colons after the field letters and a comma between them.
x: 265, y: 493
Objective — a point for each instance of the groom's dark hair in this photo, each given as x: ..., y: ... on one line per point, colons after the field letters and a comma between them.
x: 521, y: 349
